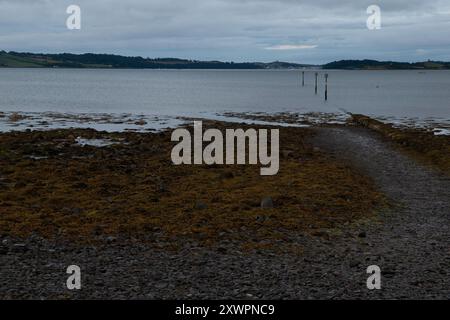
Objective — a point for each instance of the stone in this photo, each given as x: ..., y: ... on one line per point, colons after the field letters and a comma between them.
x: 141, y: 122
x: 3, y: 250
x: 76, y: 211
x: 286, y: 153
x: 267, y: 203
x: 111, y: 239
x: 222, y: 249
x: 199, y: 205
x: 162, y: 187
x: 261, y: 218
x: 362, y: 234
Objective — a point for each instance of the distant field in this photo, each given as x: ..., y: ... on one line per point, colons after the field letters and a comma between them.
x: 90, y: 60
x: 7, y: 60
x: 36, y: 61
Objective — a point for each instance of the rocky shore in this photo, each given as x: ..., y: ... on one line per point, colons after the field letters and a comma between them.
x: 141, y: 228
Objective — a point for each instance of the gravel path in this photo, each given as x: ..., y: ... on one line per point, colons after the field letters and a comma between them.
x: 410, y: 244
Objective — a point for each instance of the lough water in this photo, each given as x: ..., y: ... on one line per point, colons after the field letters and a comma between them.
x: 404, y: 96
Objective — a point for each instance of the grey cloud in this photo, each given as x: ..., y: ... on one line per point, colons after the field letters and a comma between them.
x: 231, y: 29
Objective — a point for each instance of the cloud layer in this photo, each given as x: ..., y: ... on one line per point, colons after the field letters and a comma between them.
x: 239, y: 30
x: 292, y: 47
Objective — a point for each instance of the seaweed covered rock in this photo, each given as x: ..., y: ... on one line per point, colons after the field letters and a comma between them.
x: 424, y: 144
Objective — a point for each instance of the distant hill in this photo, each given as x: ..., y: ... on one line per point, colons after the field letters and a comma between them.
x: 385, y: 65
x: 89, y: 60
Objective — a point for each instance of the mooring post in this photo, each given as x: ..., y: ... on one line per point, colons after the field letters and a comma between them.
x: 326, y: 86
x: 315, y: 90
x: 303, y: 78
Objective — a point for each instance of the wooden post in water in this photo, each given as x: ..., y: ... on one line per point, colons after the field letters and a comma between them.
x: 315, y: 90
x: 326, y: 86
x: 303, y: 78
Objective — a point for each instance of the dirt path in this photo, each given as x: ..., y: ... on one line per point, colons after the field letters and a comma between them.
x: 410, y: 244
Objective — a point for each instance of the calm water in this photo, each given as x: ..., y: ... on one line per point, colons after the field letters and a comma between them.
x: 397, y: 95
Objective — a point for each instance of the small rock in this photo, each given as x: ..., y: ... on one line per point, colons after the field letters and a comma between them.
x: 266, y: 203
x: 76, y: 211
x: 111, y: 239
x: 97, y: 231
x: 160, y: 285
x: 162, y: 187
x: 3, y: 250
x: 261, y: 218
x: 388, y: 272
x: 362, y: 234
x: 141, y: 122
x: 286, y: 153
x: 80, y: 185
x: 200, y: 205
x: 222, y: 249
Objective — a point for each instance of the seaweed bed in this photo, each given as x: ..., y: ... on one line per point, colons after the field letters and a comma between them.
x: 53, y: 187
x: 421, y: 144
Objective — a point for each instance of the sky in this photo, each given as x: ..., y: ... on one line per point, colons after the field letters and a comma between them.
x: 311, y: 31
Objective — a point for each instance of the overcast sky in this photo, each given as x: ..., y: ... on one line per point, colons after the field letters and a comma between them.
x: 311, y: 31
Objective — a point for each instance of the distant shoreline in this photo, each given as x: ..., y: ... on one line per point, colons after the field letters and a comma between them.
x: 109, y: 61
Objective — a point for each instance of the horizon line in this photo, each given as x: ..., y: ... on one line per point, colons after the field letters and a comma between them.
x: 222, y: 61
